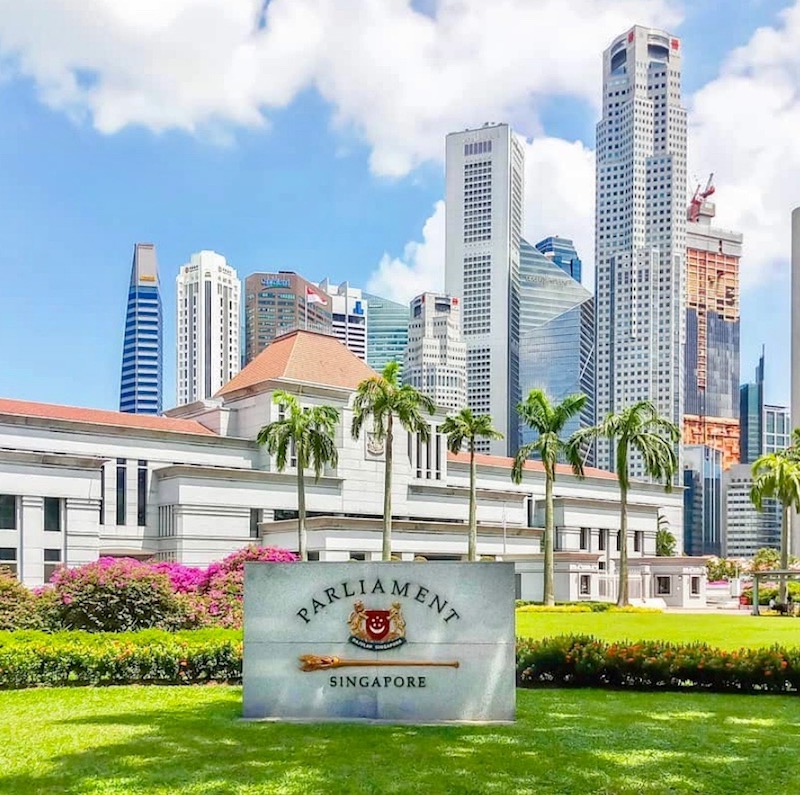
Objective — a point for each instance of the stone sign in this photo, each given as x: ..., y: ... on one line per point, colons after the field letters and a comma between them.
x: 415, y: 642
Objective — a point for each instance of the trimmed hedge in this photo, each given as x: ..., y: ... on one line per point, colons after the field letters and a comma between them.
x: 577, y: 661
x: 584, y: 607
x: 29, y: 659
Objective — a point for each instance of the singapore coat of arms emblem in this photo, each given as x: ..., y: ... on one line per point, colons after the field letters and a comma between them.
x: 377, y: 630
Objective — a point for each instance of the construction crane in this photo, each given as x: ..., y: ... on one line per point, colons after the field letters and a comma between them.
x: 699, y: 197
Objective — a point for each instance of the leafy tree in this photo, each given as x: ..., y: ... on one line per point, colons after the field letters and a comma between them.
x: 636, y: 429
x: 765, y: 559
x: 460, y: 429
x: 383, y: 399
x: 307, y: 434
x: 777, y: 476
x: 665, y: 541
x: 548, y: 420
x: 722, y: 569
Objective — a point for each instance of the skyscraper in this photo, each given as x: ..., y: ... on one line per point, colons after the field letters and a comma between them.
x: 208, y: 296
x: 640, y: 229
x: 711, y: 398
x: 140, y: 389
x: 436, y: 356
x: 556, y: 337
x: 751, y: 416
x: 387, y: 331
x: 702, y: 500
x: 484, y: 200
x: 276, y: 303
x: 348, y: 315
x: 561, y: 251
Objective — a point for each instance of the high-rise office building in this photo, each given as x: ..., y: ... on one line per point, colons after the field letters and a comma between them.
x: 140, y: 390
x: 751, y: 416
x: 561, y: 251
x: 277, y: 303
x: 777, y: 428
x: 484, y: 200
x: 348, y: 315
x: 746, y: 530
x: 436, y: 356
x: 387, y: 331
x: 711, y: 397
x: 208, y: 296
x: 640, y: 230
x: 556, y: 337
x: 702, y: 500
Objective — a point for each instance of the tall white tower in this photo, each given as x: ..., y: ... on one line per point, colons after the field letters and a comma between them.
x: 436, y: 354
x: 348, y: 316
x: 640, y: 229
x: 484, y: 192
x: 208, y: 296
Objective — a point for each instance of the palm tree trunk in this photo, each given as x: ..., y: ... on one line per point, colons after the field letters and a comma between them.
x: 548, y: 593
x: 622, y: 596
x: 472, y: 539
x: 302, y: 541
x: 387, y: 493
x: 782, y: 593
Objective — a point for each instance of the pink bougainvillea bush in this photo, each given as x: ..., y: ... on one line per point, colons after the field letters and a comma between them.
x: 123, y: 594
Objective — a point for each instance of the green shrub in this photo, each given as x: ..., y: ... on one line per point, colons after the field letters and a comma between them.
x: 17, y: 603
x: 29, y: 659
x: 766, y: 592
x: 584, y: 607
x: 576, y: 661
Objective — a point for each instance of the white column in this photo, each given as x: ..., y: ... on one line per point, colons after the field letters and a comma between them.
x: 82, y: 531
x: 30, y: 555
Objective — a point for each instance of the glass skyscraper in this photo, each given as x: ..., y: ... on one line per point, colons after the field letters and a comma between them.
x: 561, y: 250
x: 702, y: 500
x: 556, y: 345
x: 142, y: 351
x: 387, y: 331
x: 751, y: 416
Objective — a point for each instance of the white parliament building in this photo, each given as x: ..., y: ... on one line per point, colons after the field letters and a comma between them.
x: 193, y: 486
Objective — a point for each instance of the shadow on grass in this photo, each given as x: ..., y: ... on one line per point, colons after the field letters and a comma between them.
x: 190, y: 740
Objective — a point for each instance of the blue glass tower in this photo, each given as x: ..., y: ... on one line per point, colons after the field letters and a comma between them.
x: 556, y: 337
x: 561, y: 251
x: 387, y: 331
x: 141, y: 379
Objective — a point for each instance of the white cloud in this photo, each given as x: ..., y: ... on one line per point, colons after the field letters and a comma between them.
x: 420, y: 268
x: 744, y: 127
x: 396, y: 77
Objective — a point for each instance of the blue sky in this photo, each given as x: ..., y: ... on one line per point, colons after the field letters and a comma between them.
x: 308, y: 189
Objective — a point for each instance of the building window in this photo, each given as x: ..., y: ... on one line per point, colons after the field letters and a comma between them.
x: 695, y: 586
x: 52, y: 514
x: 141, y: 494
x: 619, y: 540
x: 638, y: 541
x: 52, y: 561
x: 255, y: 518
x: 8, y: 559
x: 585, y: 585
x: 102, y: 494
x: 585, y: 538
x: 121, y: 482
x: 8, y: 512
x: 601, y: 540
x: 663, y: 585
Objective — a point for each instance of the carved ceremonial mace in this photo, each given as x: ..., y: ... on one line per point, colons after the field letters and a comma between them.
x: 312, y: 662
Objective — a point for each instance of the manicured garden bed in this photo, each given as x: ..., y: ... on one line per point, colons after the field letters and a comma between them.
x: 159, y: 741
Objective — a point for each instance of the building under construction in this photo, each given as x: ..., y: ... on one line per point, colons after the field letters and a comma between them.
x: 711, y: 399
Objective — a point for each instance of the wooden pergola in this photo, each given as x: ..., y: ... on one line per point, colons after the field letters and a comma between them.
x: 764, y: 575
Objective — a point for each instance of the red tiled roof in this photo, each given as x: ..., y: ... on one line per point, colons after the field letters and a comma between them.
x: 303, y: 356
x: 531, y: 465
x: 49, y: 411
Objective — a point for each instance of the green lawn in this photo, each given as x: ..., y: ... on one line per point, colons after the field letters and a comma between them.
x: 722, y: 631
x: 189, y: 740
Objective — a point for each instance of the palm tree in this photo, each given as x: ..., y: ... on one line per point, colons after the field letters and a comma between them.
x: 464, y: 428
x: 636, y: 429
x: 548, y: 420
x: 383, y: 398
x: 777, y: 476
x: 304, y: 433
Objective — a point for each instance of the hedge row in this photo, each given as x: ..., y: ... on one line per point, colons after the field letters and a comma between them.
x: 150, y: 657
x: 30, y: 659
x: 575, y: 661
